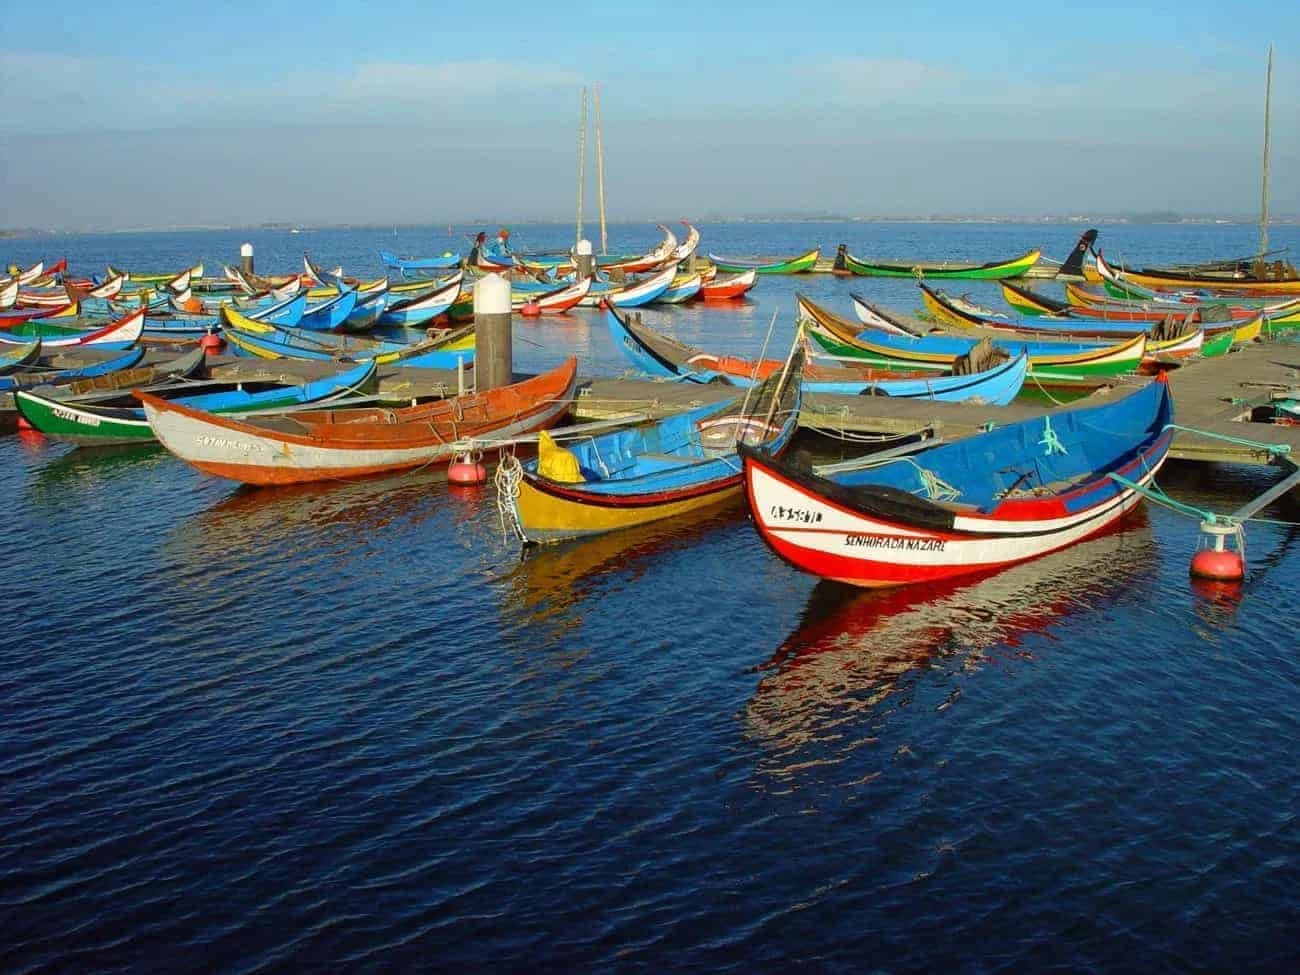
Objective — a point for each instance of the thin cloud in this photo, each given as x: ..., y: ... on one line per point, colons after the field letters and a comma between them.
x: 59, y: 93
x: 878, y: 80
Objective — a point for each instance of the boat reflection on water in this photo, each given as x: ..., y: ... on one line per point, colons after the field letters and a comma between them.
x: 551, y: 580
x: 338, y: 516
x: 69, y: 468
x: 854, y: 650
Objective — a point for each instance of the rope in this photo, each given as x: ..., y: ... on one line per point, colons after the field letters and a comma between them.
x: 1157, y: 495
x: 1051, y: 442
x: 509, y: 475
x: 1279, y: 449
x: 1042, y: 389
x: 936, y: 489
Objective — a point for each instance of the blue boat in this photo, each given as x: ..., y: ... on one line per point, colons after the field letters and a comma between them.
x: 663, y: 357
x: 181, y: 327
x: 422, y: 307
x: 330, y: 313
x: 266, y: 341
x: 69, y: 366
x: 419, y: 263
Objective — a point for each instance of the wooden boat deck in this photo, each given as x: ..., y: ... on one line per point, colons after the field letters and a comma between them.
x: 1212, y: 394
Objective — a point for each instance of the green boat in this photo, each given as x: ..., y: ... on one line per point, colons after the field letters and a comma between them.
x: 97, y: 424
x: 993, y: 271
x: 839, y: 338
x: 791, y: 265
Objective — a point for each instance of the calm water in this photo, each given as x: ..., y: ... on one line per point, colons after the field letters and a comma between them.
x: 349, y: 725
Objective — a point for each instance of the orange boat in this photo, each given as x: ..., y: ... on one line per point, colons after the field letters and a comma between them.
x: 320, y: 445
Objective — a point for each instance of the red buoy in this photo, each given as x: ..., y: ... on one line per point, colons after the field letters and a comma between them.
x: 603, y: 305
x: 1214, y: 559
x: 23, y: 424
x: 1221, y: 565
x: 467, y: 469
x: 212, y: 343
x: 531, y: 309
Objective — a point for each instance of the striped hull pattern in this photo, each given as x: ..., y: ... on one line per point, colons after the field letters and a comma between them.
x: 553, y: 511
x: 993, y: 271
x: 358, y: 443
x: 792, y: 265
x: 826, y: 539
x: 729, y: 288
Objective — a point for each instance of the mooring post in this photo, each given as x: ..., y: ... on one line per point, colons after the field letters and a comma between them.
x: 586, y: 261
x: 493, y: 352
x: 246, y: 258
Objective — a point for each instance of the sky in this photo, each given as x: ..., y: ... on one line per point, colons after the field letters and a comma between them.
x: 148, y: 115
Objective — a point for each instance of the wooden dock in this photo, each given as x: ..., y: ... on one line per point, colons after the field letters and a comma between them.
x: 1214, y: 395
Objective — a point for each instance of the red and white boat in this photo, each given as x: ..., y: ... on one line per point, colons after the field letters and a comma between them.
x: 121, y: 334
x: 728, y: 287
x: 1014, y: 493
x: 555, y: 302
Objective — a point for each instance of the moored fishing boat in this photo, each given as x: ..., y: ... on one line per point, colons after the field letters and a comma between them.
x: 875, y: 317
x: 663, y: 357
x: 331, y: 312
x: 990, y: 500
x: 67, y: 365
x: 441, y: 262
x: 329, y: 445
x: 788, y: 265
x: 1164, y: 329
x: 101, y: 424
x: 1275, y: 279
x: 120, y: 334
x: 14, y: 357
x: 683, y: 288
x: 555, y: 301
x: 634, y: 294
x: 443, y: 350
x: 728, y: 287
x: 660, y: 470
x: 424, y: 306
x: 991, y: 271
x: 840, y: 338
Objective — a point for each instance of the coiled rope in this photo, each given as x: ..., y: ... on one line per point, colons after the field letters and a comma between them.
x: 509, y: 475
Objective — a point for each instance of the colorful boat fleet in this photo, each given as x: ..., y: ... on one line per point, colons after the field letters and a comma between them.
x: 75, y: 359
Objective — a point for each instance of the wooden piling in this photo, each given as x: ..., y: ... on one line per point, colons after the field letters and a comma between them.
x: 494, y: 352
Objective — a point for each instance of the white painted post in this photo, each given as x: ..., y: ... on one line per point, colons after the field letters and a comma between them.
x: 246, y: 258
x: 493, y: 352
x: 586, y: 260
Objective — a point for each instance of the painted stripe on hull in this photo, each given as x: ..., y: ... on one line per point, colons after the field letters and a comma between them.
x: 838, y: 546
x: 240, y: 454
x: 548, y: 516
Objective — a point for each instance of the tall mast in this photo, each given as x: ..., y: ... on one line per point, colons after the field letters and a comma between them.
x: 600, y: 167
x: 582, y: 158
x: 1263, y: 206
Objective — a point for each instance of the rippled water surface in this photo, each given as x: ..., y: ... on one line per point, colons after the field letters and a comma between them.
x: 350, y: 725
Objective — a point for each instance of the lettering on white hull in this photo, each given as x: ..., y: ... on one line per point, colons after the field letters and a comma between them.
x: 225, y: 443
x: 802, y: 516
x: 887, y: 541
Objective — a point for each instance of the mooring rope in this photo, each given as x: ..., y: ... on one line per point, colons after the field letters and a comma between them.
x: 1156, y: 494
x: 509, y: 475
x: 1278, y: 449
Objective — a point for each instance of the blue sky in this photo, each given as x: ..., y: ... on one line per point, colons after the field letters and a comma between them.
x: 130, y: 114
